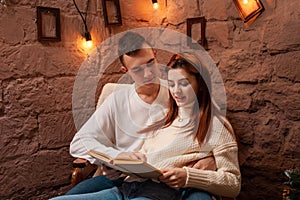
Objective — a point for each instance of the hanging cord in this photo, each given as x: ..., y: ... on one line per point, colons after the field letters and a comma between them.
x: 84, y: 18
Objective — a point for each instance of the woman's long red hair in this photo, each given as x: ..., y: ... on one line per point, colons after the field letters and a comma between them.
x: 195, y: 67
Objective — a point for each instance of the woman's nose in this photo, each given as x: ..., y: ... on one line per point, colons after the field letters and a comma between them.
x: 177, y: 89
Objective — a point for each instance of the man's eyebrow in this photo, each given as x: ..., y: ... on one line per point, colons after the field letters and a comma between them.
x: 150, y: 61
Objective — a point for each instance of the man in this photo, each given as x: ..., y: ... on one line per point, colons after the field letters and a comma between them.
x: 112, y: 129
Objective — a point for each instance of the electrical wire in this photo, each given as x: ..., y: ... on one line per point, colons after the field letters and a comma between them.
x: 83, y: 18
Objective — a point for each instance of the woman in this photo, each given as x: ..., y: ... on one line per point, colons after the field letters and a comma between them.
x: 192, y: 129
x: 191, y: 102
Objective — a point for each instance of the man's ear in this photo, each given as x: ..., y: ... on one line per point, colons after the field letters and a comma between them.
x: 124, y: 69
x: 154, y: 52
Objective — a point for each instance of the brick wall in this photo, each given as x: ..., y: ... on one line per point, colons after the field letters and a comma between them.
x: 259, y: 64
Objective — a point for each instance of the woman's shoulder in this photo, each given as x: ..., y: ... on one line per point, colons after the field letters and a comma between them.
x: 221, y: 130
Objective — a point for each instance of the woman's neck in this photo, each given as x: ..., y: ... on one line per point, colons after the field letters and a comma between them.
x: 188, y: 110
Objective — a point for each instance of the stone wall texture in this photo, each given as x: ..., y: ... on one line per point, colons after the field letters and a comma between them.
x: 258, y: 62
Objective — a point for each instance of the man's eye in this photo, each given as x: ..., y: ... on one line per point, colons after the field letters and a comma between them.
x: 150, y: 64
x: 137, y: 69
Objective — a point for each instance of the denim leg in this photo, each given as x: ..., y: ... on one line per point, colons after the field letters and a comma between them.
x: 198, y: 195
x: 108, y: 194
x: 94, y: 184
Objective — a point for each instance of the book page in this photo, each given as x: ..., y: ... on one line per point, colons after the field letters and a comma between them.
x: 101, y: 156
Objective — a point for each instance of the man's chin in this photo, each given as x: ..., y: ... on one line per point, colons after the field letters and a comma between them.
x: 151, y: 82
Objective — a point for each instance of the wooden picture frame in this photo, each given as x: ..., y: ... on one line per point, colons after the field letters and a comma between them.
x: 190, y: 23
x: 48, y: 24
x: 112, y: 12
x: 250, y: 10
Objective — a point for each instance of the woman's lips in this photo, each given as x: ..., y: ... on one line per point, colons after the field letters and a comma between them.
x: 179, y: 99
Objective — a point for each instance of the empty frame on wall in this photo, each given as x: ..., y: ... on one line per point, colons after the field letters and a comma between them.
x: 196, y: 32
x: 48, y: 24
x: 112, y: 12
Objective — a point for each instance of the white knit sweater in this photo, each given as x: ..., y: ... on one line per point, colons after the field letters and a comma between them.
x: 176, y: 146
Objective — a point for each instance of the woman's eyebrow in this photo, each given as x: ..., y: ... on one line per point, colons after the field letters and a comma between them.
x: 183, y: 79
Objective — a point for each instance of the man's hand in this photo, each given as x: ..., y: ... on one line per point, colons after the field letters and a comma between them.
x: 113, y: 174
x: 132, y: 155
x: 174, y: 177
x: 207, y: 163
x: 110, y: 173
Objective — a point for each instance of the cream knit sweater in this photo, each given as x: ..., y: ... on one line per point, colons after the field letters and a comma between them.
x: 176, y: 146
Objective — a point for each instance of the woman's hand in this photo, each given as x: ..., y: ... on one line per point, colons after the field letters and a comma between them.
x: 174, y: 177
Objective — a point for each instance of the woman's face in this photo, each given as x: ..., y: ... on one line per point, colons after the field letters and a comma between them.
x: 182, y: 86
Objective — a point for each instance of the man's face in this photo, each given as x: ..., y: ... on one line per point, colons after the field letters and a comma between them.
x: 142, y: 67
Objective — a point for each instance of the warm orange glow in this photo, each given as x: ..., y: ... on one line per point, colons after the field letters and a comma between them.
x: 88, y: 44
x: 248, y: 6
x: 85, y: 46
x: 155, y: 6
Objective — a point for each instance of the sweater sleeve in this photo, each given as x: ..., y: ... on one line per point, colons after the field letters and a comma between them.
x: 96, y: 134
x: 226, y: 181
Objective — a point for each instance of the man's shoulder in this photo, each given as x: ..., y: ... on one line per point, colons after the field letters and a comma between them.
x: 113, y: 91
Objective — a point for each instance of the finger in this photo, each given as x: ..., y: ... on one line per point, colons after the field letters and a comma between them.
x: 191, y: 164
x: 207, y: 163
x: 165, y: 177
x: 168, y: 178
x: 138, y: 156
x: 141, y: 156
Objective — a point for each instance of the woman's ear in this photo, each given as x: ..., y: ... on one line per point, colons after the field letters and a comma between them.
x: 124, y: 69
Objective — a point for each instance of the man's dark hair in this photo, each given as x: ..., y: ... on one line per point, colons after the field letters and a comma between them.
x: 129, y: 44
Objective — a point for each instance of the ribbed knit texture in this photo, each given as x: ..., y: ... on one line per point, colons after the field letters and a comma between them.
x: 176, y: 146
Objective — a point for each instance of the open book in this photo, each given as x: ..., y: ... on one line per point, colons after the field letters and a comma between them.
x: 128, y: 166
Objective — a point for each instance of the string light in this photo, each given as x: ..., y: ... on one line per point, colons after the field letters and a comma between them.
x: 88, y: 38
x: 155, y: 4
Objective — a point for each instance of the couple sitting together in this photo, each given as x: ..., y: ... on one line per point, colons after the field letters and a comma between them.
x: 173, y: 125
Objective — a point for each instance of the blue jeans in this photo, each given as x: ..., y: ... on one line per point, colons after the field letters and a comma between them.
x: 100, y: 187
x: 95, y: 184
x: 107, y: 194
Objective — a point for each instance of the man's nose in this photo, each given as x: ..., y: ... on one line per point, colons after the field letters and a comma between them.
x: 147, y: 72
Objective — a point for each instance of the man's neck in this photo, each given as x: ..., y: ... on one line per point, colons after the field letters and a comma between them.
x: 148, y: 93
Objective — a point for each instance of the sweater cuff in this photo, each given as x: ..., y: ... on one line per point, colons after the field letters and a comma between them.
x: 197, y: 178
x: 187, y: 176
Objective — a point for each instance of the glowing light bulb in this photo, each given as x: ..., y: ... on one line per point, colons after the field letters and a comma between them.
x: 155, y: 5
x: 245, y: 1
x: 88, y: 44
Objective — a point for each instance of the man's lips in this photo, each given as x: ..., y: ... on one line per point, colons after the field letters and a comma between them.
x: 148, y: 81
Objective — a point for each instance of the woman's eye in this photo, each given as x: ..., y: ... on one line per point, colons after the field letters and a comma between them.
x: 185, y: 83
